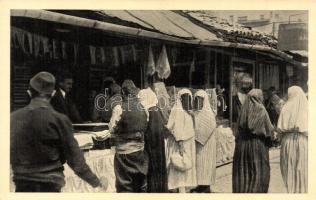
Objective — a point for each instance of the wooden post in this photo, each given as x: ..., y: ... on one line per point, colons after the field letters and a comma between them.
x: 207, y: 69
x: 215, y: 69
x: 231, y: 79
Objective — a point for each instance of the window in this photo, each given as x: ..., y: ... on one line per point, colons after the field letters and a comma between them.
x: 276, y: 16
x: 231, y: 17
x: 242, y: 18
x: 261, y: 16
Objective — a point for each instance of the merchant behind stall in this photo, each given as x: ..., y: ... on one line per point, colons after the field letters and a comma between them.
x: 42, y: 141
x: 62, y: 101
x: 127, y: 126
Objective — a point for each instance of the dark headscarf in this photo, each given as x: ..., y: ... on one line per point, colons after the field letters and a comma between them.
x: 253, y: 116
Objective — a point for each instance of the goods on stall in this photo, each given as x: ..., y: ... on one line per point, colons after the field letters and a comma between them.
x: 84, y: 140
x: 225, y: 143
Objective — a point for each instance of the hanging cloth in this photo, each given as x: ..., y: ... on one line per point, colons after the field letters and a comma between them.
x: 30, y: 40
x: 92, y: 54
x: 163, y: 66
x: 151, y: 62
x: 76, y: 52
x: 63, y: 50
x: 103, y: 59
x: 116, y: 61
x: 192, y: 69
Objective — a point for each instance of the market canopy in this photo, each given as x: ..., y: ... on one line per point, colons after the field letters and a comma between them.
x: 169, y: 26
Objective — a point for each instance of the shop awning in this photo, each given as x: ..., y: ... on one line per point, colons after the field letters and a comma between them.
x: 174, y: 28
x: 302, y: 53
x: 164, y: 21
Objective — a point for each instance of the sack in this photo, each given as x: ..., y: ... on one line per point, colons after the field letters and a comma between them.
x: 181, y: 163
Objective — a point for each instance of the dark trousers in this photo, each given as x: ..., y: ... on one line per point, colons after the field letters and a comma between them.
x: 131, y: 172
x: 33, y: 186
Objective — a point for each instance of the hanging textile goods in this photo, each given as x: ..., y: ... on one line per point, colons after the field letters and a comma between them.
x: 163, y: 67
x: 151, y: 62
x: 192, y: 69
x: 128, y: 53
x: 92, y: 54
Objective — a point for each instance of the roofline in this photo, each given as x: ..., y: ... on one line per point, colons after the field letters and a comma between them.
x: 114, y: 28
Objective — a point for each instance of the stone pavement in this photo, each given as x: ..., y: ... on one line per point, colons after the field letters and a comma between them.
x: 223, y: 182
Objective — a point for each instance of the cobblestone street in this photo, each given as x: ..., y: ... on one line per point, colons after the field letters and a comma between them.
x: 224, y: 176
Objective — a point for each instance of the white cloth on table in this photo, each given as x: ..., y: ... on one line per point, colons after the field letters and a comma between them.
x: 84, y: 140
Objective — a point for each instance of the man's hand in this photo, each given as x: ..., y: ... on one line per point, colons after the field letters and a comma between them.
x: 104, y: 183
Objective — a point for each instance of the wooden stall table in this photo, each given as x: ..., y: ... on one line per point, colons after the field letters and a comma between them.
x: 100, y: 162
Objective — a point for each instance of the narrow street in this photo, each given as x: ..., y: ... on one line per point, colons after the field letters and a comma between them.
x: 224, y: 176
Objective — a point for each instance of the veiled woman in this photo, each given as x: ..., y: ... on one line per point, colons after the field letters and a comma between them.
x: 293, y: 128
x: 181, y: 144
x: 251, y: 167
x: 157, y: 181
x: 204, y: 124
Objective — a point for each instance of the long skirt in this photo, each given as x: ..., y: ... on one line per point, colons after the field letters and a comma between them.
x: 155, y: 146
x: 251, y: 168
x: 206, y: 162
x: 294, y: 163
x: 176, y: 178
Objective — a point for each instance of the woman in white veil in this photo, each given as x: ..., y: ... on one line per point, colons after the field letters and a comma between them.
x: 293, y: 129
x: 205, y: 124
x: 181, y: 145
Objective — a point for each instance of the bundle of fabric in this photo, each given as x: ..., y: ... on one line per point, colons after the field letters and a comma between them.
x: 84, y: 140
x: 225, y: 143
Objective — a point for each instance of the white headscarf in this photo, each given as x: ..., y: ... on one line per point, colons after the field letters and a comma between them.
x: 180, y: 122
x: 294, y: 113
x: 205, y: 122
x: 148, y: 99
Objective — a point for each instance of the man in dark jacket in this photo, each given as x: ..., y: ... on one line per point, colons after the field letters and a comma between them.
x: 42, y: 141
x: 62, y: 101
x: 128, y: 125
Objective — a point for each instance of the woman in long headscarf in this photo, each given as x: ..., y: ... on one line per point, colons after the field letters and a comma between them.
x: 205, y: 124
x: 251, y: 168
x: 293, y: 127
x: 181, y: 144
x: 154, y: 143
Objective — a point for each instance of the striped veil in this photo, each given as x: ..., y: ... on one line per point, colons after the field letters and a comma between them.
x: 253, y: 115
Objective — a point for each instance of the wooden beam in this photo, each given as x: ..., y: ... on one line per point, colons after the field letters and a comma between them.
x: 231, y: 79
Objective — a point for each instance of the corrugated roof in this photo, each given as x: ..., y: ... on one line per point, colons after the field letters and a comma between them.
x: 164, y: 21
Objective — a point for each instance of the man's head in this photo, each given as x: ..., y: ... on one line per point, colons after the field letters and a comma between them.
x: 65, y: 81
x: 42, y: 85
x: 115, y: 89
x: 246, y: 83
x: 271, y: 91
x: 129, y: 88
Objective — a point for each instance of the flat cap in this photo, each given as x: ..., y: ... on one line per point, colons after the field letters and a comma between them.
x: 43, y: 82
